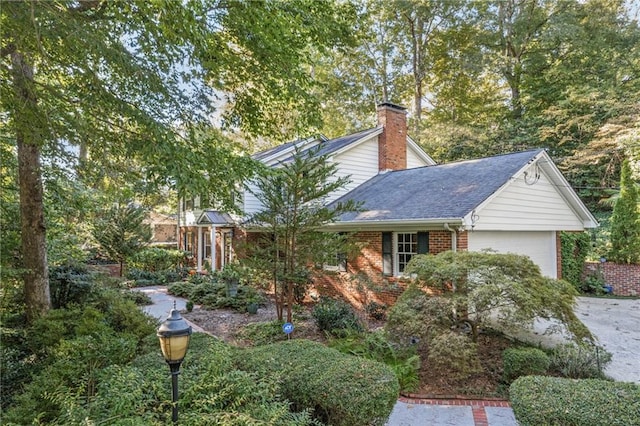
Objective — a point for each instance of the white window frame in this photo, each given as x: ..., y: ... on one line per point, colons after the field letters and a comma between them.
x: 396, y: 253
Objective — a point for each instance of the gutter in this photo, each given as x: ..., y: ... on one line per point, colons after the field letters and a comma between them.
x: 454, y: 237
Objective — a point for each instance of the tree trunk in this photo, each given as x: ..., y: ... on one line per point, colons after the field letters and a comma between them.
x: 33, y: 231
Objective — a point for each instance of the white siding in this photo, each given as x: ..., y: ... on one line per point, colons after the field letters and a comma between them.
x: 413, y: 160
x: 539, y: 246
x: 251, y: 203
x: 359, y: 163
x: 535, y: 207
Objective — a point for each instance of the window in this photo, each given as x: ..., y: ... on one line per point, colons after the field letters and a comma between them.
x: 187, y: 204
x: 406, y: 247
x: 188, y: 241
x: 337, y: 262
x: 207, y: 244
x: 228, y: 247
x: 399, y: 247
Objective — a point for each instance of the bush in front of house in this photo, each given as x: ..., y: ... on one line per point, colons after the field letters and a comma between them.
x: 524, y: 362
x: 341, y: 389
x: 336, y: 317
x: 211, y: 293
x: 582, y: 361
x: 456, y: 353
x: 538, y: 400
x: 405, y: 362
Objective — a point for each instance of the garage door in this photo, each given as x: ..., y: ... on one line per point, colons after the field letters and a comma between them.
x: 539, y: 246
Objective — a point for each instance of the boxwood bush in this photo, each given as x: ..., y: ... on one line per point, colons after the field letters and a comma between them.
x: 342, y: 389
x: 524, y: 362
x: 538, y: 400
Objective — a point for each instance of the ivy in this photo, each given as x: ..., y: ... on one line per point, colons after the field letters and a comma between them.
x: 575, y: 247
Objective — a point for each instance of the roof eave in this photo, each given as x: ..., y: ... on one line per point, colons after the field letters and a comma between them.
x: 394, y: 224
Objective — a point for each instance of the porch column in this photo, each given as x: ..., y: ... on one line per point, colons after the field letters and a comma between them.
x: 213, y: 247
x: 200, y: 249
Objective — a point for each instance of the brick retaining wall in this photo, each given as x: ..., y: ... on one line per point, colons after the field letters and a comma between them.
x: 625, y: 279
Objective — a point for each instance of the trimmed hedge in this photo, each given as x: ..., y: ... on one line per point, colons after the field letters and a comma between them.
x: 519, y: 362
x: 538, y: 400
x: 342, y: 389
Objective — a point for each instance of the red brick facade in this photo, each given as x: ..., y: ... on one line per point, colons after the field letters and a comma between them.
x: 378, y: 288
x: 625, y: 279
x: 392, y: 142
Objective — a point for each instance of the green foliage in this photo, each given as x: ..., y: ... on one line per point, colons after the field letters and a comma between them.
x: 416, y: 318
x: 456, y: 353
x: 154, y: 259
x: 121, y: 232
x: 405, y: 362
x: 625, y: 221
x: 575, y: 247
x: 336, y: 317
x: 294, y: 199
x: 342, y: 389
x: 142, y: 278
x: 212, y: 292
x: 263, y: 333
x: 73, y: 371
x: 555, y: 401
x: 71, y: 283
x: 593, y: 283
x: 376, y: 311
x: 524, y: 362
x: 505, y: 289
x: 579, y: 361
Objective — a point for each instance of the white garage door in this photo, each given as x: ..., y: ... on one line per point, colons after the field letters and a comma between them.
x: 539, y: 246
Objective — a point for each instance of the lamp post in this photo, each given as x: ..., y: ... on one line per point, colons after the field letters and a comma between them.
x: 174, y: 334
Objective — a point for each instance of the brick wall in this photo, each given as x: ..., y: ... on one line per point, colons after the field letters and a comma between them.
x: 377, y: 288
x: 392, y: 142
x: 625, y: 279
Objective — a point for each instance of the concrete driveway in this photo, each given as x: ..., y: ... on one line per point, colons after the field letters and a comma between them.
x: 616, y: 324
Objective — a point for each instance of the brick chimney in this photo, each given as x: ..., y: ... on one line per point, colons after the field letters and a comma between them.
x: 392, y: 142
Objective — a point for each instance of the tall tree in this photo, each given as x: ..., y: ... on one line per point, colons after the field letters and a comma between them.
x: 294, y: 199
x: 122, y: 77
x: 625, y: 221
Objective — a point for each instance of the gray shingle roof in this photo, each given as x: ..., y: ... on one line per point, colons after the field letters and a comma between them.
x: 445, y: 191
x: 334, y: 145
x: 325, y: 147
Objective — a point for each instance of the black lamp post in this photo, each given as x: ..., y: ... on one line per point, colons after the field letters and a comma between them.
x: 174, y: 334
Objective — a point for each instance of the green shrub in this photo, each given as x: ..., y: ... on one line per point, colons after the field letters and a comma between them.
x: 524, y: 362
x: 263, y: 333
x: 143, y: 278
x: 456, y: 353
x: 342, y: 389
x: 579, y: 361
x: 376, y: 311
x: 211, y: 293
x: 417, y: 318
x: 540, y: 400
x: 405, y: 362
x: 71, y: 283
x: 155, y: 259
x: 336, y: 316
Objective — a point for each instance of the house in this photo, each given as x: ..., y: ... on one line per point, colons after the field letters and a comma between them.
x: 163, y: 228
x: 517, y: 202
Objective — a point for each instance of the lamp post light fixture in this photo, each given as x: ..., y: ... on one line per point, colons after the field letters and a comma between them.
x: 174, y: 334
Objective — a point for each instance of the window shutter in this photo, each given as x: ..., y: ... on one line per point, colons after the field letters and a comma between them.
x: 423, y: 242
x: 387, y: 250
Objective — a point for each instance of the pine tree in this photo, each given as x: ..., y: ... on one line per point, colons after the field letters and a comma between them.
x: 625, y: 221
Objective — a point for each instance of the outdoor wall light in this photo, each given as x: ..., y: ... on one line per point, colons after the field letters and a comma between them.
x: 174, y: 334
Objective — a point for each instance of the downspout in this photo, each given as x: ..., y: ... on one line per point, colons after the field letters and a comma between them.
x: 454, y: 237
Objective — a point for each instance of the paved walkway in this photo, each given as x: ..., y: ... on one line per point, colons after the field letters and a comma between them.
x: 407, y: 411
